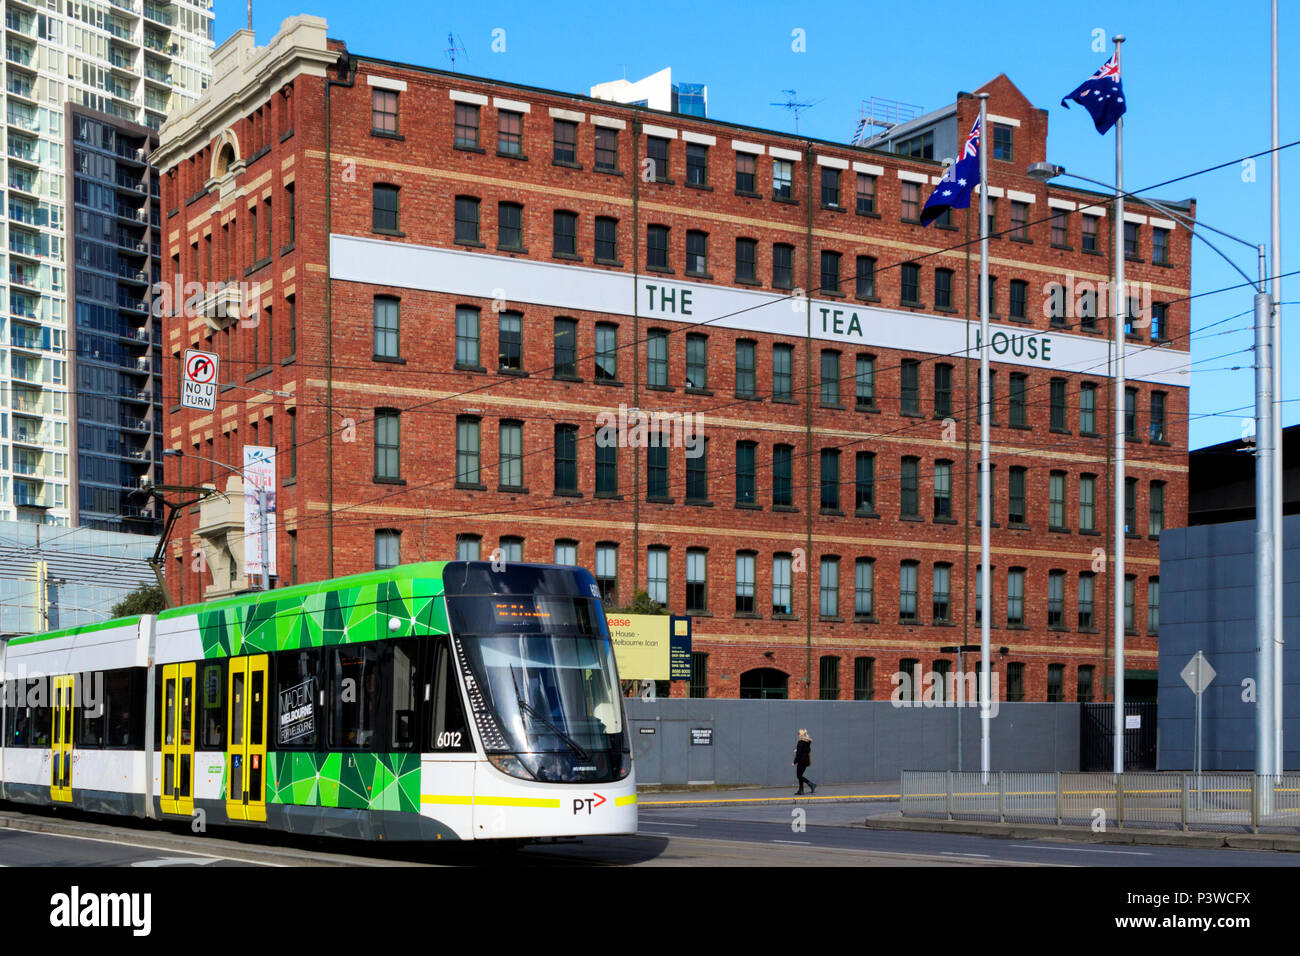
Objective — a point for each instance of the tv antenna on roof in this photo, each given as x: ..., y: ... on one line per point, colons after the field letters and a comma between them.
x: 454, y: 46
x: 794, y: 106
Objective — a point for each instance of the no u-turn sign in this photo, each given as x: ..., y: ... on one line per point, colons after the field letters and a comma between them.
x: 199, y: 380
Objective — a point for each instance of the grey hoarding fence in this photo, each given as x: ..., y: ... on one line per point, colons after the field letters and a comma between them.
x: 1208, y: 801
x: 752, y: 741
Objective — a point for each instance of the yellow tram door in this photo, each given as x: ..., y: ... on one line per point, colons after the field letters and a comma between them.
x: 178, y: 739
x: 61, y: 739
x: 246, y: 733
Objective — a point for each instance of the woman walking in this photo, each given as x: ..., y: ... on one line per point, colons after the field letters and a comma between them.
x: 802, y: 760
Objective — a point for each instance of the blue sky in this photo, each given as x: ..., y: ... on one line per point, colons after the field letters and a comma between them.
x: 1195, y: 74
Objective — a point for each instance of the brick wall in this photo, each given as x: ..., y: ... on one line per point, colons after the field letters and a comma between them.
x: 335, y: 458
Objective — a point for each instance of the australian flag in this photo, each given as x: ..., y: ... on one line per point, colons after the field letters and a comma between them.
x: 953, y: 191
x: 1102, y: 95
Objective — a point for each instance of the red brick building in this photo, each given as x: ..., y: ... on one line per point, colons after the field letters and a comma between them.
x: 404, y: 225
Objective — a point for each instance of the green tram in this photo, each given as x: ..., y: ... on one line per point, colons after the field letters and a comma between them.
x: 432, y: 701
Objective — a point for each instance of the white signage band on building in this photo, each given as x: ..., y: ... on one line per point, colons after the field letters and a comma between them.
x: 386, y: 83
x: 568, y: 287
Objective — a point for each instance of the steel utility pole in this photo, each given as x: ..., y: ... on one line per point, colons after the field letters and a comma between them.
x: 1279, y: 758
x: 1265, y: 531
x: 986, y: 508
x: 1121, y: 409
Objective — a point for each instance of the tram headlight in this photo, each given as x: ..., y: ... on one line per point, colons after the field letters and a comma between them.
x: 510, y: 765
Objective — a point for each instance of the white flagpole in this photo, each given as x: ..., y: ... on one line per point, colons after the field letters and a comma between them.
x: 1278, y: 754
x: 1118, y: 496
x: 986, y: 515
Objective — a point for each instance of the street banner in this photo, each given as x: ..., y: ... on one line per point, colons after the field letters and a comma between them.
x: 259, y: 472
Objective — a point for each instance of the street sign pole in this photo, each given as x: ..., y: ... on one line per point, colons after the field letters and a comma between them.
x: 1197, y: 674
x: 262, y: 520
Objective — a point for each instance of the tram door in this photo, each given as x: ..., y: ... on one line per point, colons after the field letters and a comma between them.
x: 246, y: 736
x: 178, y: 739
x: 61, y: 739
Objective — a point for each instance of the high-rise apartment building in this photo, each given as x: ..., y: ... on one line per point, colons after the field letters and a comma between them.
x: 85, y: 84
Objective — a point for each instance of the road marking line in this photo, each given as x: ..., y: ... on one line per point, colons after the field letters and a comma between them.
x: 1074, y: 849
x: 983, y: 856
x: 145, y: 846
x: 663, y: 823
x: 832, y: 796
x: 796, y: 842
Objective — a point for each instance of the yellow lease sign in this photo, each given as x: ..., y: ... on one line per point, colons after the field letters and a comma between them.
x: 641, y: 644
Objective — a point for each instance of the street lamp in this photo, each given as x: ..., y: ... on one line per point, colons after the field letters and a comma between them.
x: 1268, y: 715
x: 263, y: 531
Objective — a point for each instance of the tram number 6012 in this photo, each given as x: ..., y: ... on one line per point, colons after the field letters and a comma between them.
x: 448, y: 738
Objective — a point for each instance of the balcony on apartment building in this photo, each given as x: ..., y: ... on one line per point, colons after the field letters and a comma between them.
x: 22, y: 148
x: 35, y: 435
x: 25, y: 337
x: 19, y: 275
x: 24, y: 306
x: 24, y: 244
x: 19, y: 84
x: 23, y: 117
x: 20, y: 53
x: 20, y: 22
x: 22, y: 180
x: 30, y: 493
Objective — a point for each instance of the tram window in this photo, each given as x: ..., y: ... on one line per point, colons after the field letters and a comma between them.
x: 212, y: 706
x: 187, y: 712
x: 157, y: 707
x: 354, y: 696
x: 169, y: 711
x: 297, y: 699
x: 90, y: 711
x: 404, y: 683
x: 17, y: 715
x: 121, y: 694
x: 449, y: 733
x: 256, y: 711
x: 38, y: 697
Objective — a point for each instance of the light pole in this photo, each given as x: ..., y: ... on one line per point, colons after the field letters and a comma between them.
x: 1267, y: 527
x: 263, y: 531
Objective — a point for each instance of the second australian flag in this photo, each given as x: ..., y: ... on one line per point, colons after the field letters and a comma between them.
x: 1102, y: 95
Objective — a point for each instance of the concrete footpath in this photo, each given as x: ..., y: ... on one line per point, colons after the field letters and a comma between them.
x: 880, y: 811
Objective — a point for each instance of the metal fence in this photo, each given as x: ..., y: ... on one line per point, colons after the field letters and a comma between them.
x: 1229, y: 802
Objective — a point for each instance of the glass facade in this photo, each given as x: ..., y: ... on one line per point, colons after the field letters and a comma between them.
x: 80, y: 353
x: 115, y: 257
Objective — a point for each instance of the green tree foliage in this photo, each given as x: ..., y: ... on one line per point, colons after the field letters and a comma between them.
x: 641, y: 604
x: 146, y: 599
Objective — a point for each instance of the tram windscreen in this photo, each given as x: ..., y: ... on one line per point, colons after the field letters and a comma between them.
x: 545, y: 666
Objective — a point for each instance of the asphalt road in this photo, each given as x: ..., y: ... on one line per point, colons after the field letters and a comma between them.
x: 823, y: 835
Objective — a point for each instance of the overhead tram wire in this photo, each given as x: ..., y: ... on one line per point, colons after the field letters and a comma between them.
x: 918, y: 423
x: 1077, y: 443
